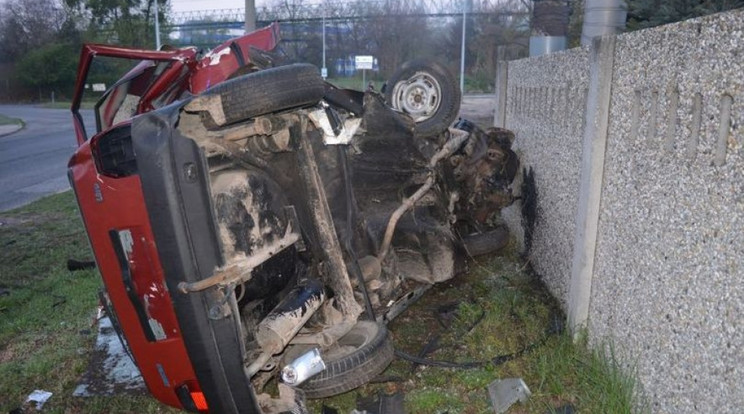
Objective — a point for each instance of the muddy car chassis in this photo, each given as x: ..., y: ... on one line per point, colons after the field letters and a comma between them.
x: 252, y: 222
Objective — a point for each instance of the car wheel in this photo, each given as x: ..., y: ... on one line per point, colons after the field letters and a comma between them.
x: 359, y: 356
x: 487, y: 242
x: 426, y: 91
x: 259, y: 93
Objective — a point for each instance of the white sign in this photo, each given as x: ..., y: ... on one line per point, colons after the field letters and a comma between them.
x: 364, y: 62
x: 324, y: 72
x: 99, y: 87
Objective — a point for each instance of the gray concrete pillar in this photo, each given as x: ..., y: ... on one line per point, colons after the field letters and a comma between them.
x: 250, y: 15
x: 601, y: 60
x: 502, y: 72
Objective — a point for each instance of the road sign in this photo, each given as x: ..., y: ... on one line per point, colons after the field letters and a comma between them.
x: 324, y: 72
x: 364, y: 62
x: 99, y: 87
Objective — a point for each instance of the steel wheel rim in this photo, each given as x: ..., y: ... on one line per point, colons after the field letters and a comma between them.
x: 419, y: 96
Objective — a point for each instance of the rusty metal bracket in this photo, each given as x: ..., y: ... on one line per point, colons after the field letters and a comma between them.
x: 240, y: 270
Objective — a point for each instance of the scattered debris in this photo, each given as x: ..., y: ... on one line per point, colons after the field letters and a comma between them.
x: 505, y: 392
x: 110, y: 370
x: 39, y: 397
x: 74, y: 265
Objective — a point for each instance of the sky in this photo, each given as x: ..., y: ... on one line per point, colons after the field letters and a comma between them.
x: 189, y: 5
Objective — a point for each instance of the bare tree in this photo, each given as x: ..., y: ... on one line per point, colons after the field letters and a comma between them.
x: 28, y: 24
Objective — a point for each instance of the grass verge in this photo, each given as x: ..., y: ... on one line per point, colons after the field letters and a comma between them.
x: 497, y: 308
x: 6, y: 120
x: 355, y: 82
x: 67, y: 105
x: 47, y: 312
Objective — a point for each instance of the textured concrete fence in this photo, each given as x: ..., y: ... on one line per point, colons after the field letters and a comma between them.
x: 636, y: 144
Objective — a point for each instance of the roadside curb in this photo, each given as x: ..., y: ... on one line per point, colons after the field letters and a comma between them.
x: 11, y: 129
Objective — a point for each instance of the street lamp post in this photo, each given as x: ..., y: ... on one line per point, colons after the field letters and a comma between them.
x: 462, y: 46
x: 157, y: 26
x: 250, y: 15
x: 324, y: 71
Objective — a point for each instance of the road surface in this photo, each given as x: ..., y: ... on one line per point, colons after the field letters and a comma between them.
x: 33, y: 161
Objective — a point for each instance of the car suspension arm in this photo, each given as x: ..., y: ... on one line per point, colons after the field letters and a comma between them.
x: 240, y: 270
x: 457, y: 138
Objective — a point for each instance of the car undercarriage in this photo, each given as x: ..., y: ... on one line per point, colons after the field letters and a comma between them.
x: 284, y: 222
x: 331, y: 222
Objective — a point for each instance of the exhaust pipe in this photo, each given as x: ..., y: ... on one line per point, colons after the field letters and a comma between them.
x: 285, y: 320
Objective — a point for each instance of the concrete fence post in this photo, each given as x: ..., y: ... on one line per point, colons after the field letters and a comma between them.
x: 601, y: 60
x: 502, y: 71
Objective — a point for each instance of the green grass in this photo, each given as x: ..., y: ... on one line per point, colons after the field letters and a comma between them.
x: 355, y: 82
x: 6, y: 120
x: 502, y: 309
x: 47, y: 312
x: 46, y: 333
x: 67, y: 104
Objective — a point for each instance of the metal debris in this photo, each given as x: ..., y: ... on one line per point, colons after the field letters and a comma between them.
x: 505, y: 392
x: 39, y: 397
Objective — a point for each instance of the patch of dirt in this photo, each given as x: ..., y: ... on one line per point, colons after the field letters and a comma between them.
x: 16, y: 220
x: 7, y: 354
x: 7, y: 221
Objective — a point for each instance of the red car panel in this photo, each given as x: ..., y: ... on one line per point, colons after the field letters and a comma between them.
x: 116, y: 218
x: 116, y: 204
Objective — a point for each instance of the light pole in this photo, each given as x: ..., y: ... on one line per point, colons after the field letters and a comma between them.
x: 157, y: 26
x: 250, y: 15
x: 324, y: 71
x: 462, y: 46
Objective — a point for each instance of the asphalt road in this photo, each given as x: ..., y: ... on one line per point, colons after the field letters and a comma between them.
x: 33, y: 161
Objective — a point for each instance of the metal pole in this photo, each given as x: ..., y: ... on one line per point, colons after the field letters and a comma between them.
x: 250, y: 15
x: 157, y: 26
x: 462, y: 46
x: 325, y: 70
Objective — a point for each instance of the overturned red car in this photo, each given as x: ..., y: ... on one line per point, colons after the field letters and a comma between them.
x: 252, y: 222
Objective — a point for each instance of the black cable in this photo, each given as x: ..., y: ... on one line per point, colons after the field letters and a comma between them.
x: 556, y: 327
x: 498, y: 360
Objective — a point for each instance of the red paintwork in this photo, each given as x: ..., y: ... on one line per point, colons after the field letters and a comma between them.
x: 208, y: 74
x: 121, y: 206
x: 203, y: 73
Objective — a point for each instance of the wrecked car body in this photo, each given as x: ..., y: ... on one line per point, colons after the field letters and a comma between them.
x: 253, y: 222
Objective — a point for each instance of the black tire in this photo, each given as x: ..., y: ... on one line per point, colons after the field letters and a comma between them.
x: 486, y: 242
x: 266, y: 91
x: 348, y: 368
x: 432, y: 115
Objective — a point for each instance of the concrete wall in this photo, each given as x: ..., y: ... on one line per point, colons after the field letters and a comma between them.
x: 546, y: 97
x: 663, y: 257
